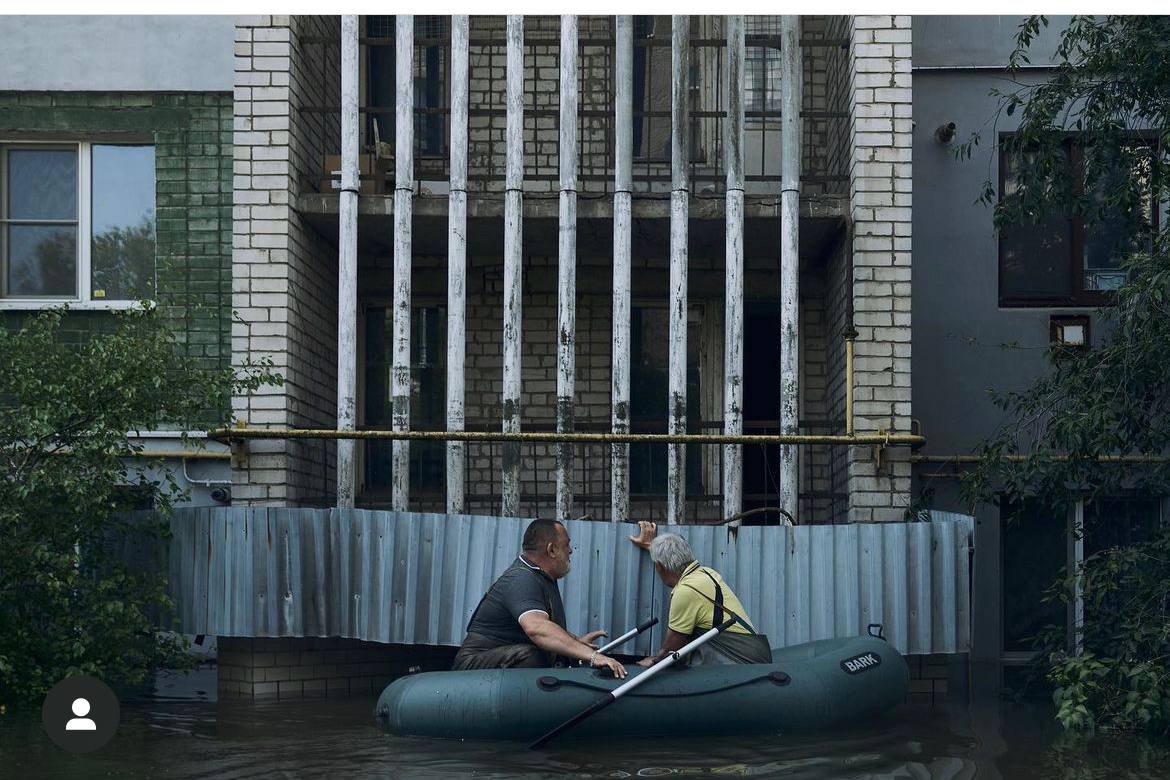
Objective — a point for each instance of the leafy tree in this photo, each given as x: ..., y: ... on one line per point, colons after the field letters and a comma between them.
x: 1097, y: 423
x: 71, y: 600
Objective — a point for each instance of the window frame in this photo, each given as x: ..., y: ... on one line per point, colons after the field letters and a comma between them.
x: 439, y: 88
x: 696, y: 313
x: 770, y: 120
x: 83, y: 300
x: 368, y: 491
x: 1074, y: 555
x: 1079, y: 297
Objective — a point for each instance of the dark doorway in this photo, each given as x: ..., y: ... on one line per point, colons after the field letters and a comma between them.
x: 761, y: 406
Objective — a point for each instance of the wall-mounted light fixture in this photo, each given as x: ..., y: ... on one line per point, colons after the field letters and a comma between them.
x: 945, y: 133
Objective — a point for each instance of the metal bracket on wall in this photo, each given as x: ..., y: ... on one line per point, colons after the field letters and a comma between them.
x: 879, y: 449
x: 239, y: 448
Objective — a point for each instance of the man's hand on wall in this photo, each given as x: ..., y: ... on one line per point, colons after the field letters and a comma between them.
x: 646, y: 533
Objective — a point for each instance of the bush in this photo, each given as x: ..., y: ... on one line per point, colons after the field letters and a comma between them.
x: 1116, y: 675
x: 71, y: 601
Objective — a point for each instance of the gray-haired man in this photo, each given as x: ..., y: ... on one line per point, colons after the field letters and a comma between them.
x: 699, y: 599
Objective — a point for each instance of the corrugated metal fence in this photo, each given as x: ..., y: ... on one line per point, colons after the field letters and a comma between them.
x: 415, y: 578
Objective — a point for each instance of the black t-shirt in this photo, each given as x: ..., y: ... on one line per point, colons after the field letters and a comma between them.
x: 522, y: 588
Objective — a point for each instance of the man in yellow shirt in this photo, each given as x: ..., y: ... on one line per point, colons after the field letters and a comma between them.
x: 699, y: 599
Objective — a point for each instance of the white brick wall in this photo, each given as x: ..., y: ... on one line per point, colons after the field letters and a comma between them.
x: 285, y: 291
x: 880, y: 205
x: 284, y: 286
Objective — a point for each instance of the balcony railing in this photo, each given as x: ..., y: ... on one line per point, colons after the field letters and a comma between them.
x: 824, y: 113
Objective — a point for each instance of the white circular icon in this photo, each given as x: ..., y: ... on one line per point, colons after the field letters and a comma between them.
x: 81, y: 723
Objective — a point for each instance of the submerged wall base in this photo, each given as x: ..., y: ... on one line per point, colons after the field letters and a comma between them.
x: 316, y: 667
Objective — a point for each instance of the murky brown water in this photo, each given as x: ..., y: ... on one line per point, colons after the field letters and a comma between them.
x: 181, y: 732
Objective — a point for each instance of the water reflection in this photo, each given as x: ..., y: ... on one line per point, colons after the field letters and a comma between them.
x: 181, y: 731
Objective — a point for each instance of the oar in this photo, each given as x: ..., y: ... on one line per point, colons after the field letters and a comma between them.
x: 633, y: 632
x: 632, y: 683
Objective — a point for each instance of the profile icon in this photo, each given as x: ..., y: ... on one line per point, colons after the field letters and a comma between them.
x: 80, y: 714
x: 80, y: 722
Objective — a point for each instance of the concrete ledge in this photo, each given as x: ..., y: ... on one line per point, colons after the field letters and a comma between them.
x: 546, y: 205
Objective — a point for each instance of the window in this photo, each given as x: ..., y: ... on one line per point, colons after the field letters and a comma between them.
x: 653, y: 86
x: 431, y: 34
x: 1055, y: 260
x: 77, y: 223
x: 651, y: 134
x: 649, y: 383
x: 762, y: 67
x: 1040, y: 544
x: 1034, y: 551
x: 428, y: 381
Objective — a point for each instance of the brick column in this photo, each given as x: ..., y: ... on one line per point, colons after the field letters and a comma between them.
x: 284, y: 285
x: 879, y: 202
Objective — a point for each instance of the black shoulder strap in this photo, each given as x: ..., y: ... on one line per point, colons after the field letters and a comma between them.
x: 717, y: 615
x: 717, y: 618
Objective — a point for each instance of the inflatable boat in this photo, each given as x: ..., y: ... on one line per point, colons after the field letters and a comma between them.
x: 820, y: 684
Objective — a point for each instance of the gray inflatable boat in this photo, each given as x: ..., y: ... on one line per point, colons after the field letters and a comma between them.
x: 831, y: 682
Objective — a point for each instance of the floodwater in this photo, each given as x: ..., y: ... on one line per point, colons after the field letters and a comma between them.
x: 180, y: 731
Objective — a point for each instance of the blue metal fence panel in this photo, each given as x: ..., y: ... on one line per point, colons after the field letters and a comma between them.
x: 416, y: 578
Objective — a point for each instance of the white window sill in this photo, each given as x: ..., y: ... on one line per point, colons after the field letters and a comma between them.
x: 32, y: 304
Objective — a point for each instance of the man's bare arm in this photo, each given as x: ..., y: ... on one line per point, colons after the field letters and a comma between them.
x: 673, y: 641
x: 550, y: 637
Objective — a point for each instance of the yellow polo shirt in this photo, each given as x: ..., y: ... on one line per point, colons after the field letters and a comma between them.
x: 690, y: 610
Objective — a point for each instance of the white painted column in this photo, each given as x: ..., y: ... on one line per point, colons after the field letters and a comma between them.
x: 567, y: 264
x: 347, y: 263
x: 790, y: 101
x: 513, y: 262
x: 403, y: 211
x: 679, y: 204
x: 457, y: 265
x: 622, y: 233
x: 733, y: 306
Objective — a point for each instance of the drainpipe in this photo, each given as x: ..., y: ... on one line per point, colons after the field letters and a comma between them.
x: 403, y: 210
x: 733, y: 295
x: 513, y: 263
x: 567, y: 264
x: 347, y: 262
x: 679, y: 205
x: 457, y: 265
x: 622, y: 234
x: 790, y: 100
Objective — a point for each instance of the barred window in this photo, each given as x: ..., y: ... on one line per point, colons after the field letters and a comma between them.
x: 762, y: 67
x: 430, y: 68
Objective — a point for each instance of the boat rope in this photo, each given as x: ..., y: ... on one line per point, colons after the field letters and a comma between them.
x: 550, y: 683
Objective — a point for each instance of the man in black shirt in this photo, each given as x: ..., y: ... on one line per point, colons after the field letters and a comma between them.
x: 521, y: 619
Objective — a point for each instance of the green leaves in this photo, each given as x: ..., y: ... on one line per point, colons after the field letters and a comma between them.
x: 1087, y: 147
x: 82, y: 588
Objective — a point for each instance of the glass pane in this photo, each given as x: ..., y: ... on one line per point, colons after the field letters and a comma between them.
x: 1120, y: 522
x: 42, y: 260
x: 649, y: 384
x: 381, y: 76
x: 427, y: 403
x: 1034, y: 257
x: 428, y: 397
x: 42, y: 184
x: 1035, y: 553
x: 1109, y: 238
x: 123, y: 222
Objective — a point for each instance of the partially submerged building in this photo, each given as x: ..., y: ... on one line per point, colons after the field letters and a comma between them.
x: 454, y: 228
x: 530, y: 269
